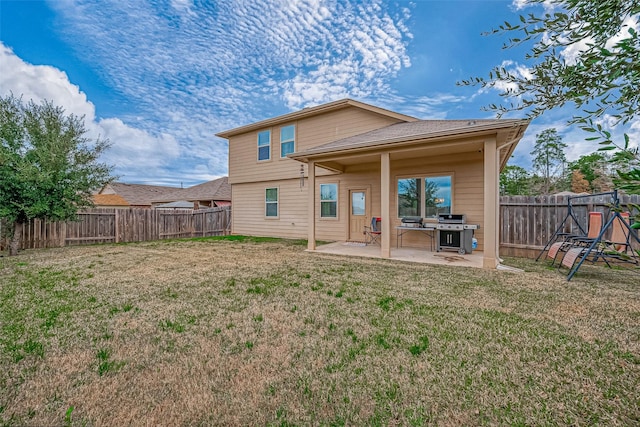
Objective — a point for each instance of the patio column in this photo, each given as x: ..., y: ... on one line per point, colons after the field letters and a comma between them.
x: 311, y: 207
x: 385, y: 214
x: 491, y: 200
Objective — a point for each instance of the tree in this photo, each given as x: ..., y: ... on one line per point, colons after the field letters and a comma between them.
x: 584, y: 53
x: 590, y: 166
x: 514, y: 181
x: 48, y: 168
x: 594, y: 168
x: 549, y: 158
x: 578, y: 182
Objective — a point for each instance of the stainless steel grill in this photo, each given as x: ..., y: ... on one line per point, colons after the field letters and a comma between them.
x: 454, y: 233
x: 452, y: 218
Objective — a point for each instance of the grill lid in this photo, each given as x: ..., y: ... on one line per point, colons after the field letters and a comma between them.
x: 452, y: 218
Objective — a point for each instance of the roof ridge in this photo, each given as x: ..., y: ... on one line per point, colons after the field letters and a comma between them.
x: 310, y: 111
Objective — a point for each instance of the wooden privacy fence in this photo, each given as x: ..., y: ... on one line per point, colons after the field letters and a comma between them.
x: 528, y: 222
x: 124, y: 225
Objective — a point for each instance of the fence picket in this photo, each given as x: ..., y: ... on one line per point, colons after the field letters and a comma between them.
x: 122, y: 225
x: 530, y: 221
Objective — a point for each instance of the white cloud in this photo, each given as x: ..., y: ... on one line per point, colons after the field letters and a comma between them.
x: 190, y: 69
x: 238, y: 47
x: 630, y: 22
x: 183, y: 6
x: 572, y: 53
x: 41, y: 83
x: 548, y: 5
x: 133, y: 150
x: 573, y: 136
x: 518, y: 70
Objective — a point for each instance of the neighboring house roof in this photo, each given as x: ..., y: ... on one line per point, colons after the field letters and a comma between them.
x: 180, y: 204
x: 313, y: 111
x: 137, y: 194
x: 218, y: 189
x: 418, y: 132
x: 570, y: 193
x: 109, y: 200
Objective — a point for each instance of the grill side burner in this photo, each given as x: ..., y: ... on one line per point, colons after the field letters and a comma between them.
x: 412, y: 221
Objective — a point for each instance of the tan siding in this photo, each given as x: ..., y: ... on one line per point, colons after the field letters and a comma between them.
x: 248, y: 199
x: 468, y: 194
x: 249, y: 205
x: 310, y: 132
x: 362, y: 177
x: 337, y: 125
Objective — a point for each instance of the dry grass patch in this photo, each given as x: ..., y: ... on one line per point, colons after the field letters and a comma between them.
x: 223, y: 332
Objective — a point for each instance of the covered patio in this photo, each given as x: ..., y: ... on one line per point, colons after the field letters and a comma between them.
x: 471, y: 152
x: 423, y: 256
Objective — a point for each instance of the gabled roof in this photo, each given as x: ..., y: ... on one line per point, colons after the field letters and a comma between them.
x: 218, y: 189
x: 137, y: 194
x: 314, y: 111
x: 109, y: 200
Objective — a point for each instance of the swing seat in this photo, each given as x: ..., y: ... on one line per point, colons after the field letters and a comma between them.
x: 616, y: 248
x: 596, y: 221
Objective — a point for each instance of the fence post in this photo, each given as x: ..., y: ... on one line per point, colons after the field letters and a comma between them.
x: 116, y: 226
x: 63, y: 234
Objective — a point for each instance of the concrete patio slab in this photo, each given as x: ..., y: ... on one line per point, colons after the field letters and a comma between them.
x: 403, y: 254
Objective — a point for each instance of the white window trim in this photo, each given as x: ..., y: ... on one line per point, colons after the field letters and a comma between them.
x: 260, y: 146
x: 286, y: 142
x: 337, y: 202
x: 277, y: 203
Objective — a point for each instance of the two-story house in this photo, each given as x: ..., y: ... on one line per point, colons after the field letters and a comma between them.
x: 324, y: 172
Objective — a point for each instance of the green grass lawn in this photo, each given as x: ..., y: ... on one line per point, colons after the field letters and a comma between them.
x: 260, y: 332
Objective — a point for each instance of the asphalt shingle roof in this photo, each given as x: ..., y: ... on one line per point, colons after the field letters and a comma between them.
x: 218, y: 189
x: 109, y: 200
x: 408, y: 131
x: 140, y: 194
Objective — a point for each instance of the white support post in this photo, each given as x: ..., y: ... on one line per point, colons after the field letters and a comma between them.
x: 311, y: 208
x: 385, y: 214
x: 491, y: 204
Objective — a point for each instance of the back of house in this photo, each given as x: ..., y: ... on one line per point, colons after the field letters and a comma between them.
x: 324, y: 172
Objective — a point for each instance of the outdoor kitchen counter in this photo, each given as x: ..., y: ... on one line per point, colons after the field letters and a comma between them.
x: 428, y: 230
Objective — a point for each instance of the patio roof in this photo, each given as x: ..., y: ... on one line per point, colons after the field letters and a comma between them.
x: 419, y: 134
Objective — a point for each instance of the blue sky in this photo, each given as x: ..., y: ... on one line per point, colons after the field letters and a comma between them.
x: 159, y: 78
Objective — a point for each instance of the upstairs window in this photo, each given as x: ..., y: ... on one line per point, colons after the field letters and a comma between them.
x: 264, y: 145
x: 287, y: 140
